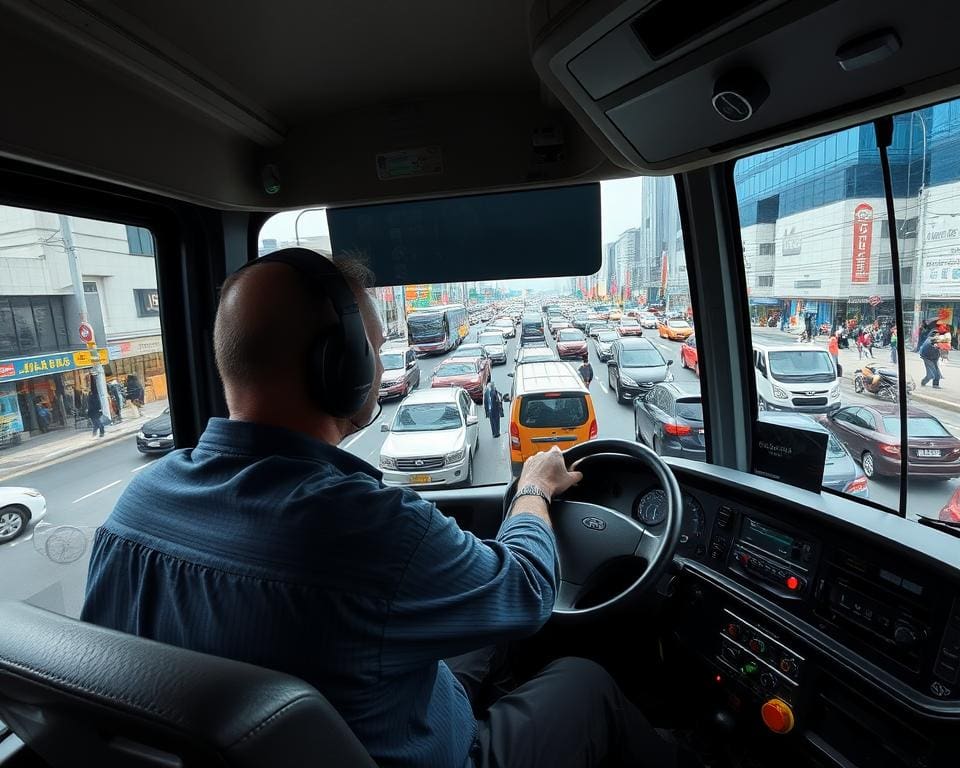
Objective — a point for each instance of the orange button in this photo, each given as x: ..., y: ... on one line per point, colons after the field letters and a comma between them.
x: 777, y: 716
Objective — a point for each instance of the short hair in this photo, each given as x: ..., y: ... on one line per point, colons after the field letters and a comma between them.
x: 254, y: 346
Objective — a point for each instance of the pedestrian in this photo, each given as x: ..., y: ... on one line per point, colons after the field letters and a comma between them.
x: 943, y: 340
x: 493, y: 407
x: 930, y: 354
x: 116, y: 396
x: 833, y: 347
x: 135, y: 392
x: 95, y: 410
x: 43, y: 414
x: 859, y: 338
x: 868, y: 341
x: 893, y: 345
x: 586, y: 371
x: 928, y: 327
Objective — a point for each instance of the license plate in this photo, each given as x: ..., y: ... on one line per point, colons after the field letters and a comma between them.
x: 928, y: 453
x: 153, y: 444
x: 420, y: 479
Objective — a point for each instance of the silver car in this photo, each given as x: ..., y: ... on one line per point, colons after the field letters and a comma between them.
x: 493, y: 344
x: 433, y: 439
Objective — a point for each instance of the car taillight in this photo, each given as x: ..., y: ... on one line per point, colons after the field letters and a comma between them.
x: 678, y: 430
x: 890, y: 449
x: 856, y: 486
x: 593, y: 430
x: 514, y: 435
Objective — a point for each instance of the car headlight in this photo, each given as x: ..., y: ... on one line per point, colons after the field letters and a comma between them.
x: 387, y: 462
x: 779, y: 393
x: 32, y: 492
x: 835, y: 392
x: 454, y: 457
x: 141, y: 436
x: 628, y: 381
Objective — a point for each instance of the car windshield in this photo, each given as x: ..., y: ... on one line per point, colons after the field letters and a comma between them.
x: 391, y: 361
x: 628, y: 321
x: 532, y: 357
x: 572, y: 335
x: 799, y: 364
x: 491, y: 338
x: 641, y: 358
x: 425, y: 326
x: 427, y: 417
x: 607, y: 336
x: 917, y: 426
x: 456, y: 369
x: 690, y: 410
x: 470, y: 351
x: 678, y: 324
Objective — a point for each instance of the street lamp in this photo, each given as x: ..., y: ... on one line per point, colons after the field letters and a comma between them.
x: 296, y: 222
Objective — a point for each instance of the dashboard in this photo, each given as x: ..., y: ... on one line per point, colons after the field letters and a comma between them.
x: 821, y: 619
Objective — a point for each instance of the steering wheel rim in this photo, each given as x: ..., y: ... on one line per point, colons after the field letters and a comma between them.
x: 590, y: 535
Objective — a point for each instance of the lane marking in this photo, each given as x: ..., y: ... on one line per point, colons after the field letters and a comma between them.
x: 142, y: 466
x: 603, y: 387
x: 94, y: 493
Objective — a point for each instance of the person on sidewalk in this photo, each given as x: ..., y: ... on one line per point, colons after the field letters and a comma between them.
x: 893, y: 345
x: 943, y: 340
x: 493, y: 407
x: 586, y: 371
x: 95, y: 410
x: 135, y: 393
x: 833, y: 347
x: 930, y: 354
x: 43, y: 414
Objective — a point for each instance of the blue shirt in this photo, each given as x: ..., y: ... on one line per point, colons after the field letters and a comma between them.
x: 267, y: 546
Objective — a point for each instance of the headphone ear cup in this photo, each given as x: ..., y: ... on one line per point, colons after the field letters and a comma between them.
x: 338, y: 381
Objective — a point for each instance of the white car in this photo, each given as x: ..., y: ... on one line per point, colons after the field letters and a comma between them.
x: 18, y: 507
x: 505, y: 325
x: 493, y: 343
x: 433, y: 438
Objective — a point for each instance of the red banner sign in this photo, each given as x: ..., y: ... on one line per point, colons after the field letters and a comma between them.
x: 862, y: 237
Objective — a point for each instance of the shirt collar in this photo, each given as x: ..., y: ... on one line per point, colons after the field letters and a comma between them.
x: 261, y: 440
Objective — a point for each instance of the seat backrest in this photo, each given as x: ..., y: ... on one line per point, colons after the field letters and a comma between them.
x: 78, y: 694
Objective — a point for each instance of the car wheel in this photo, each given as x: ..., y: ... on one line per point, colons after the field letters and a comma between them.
x: 13, y: 522
x: 468, y: 483
x: 620, y: 398
x: 866, y: 461
x: 858, y: 384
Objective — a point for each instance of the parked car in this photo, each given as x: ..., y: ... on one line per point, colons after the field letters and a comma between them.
x: 688, y: 355
x: 156, y: 435
x: 635, y: 367
x: 471, y: 373
x: 670, y: 421
x: 675, y: 329
x: 535, y: 354
x: 872, y: 434
x: 18, y: 508
x: 433, y: 439
x: 950, y: 513
x: 571, y: 344
x: 795, y: 377
x: 492, y: 343
x: 401, y: 372
x: 603, y: 343
x: 505, y: 325
x: 629, y: 326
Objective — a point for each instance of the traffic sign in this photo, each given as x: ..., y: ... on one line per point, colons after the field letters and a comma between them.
x: 86, y: 332
x: 874, y: 301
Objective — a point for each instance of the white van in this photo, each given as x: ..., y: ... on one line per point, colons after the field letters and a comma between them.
x: 796, y: 377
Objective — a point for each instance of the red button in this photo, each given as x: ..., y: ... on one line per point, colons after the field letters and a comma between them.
x: 793, y: 583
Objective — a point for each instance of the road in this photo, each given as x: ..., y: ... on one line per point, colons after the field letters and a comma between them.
x: 80, y: 493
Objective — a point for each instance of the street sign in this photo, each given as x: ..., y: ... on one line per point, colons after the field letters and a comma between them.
x: 874, y: 301
x: 86, y: 332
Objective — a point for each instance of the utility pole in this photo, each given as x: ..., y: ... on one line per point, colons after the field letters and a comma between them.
x: 100, y: 381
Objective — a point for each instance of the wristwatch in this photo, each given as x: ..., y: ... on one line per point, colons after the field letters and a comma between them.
x: 530, y: 490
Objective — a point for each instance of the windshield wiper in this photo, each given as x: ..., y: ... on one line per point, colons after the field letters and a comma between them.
x: 947, y: 526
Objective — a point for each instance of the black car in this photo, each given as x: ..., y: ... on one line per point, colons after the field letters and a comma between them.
x: 156, y: 435
x: 635, y: 367
x: 670, y: 420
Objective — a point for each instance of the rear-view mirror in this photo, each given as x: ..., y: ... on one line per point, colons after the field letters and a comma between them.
x: 669, y: 362
x: 510, y: 375
x: 412, y: 364
x: 384, y: 427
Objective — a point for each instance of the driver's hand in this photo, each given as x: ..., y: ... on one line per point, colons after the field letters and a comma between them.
x: 548, y: 472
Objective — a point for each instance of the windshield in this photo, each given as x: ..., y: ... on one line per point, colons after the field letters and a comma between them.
x: 607, y: 336
x: 425, y: 327
x: 629, y: 321
x: 491, y: 338
x: 573, y: 335
x: 427, y: 417
x: 801, y: 365
x: 456, y: 369
x: 391, y: 361
x: 917, y: 426
x: 641, y: 358
x: 678, y: 324
x: 834, y: 449
x: 692, y: 411
x: 539, y: 411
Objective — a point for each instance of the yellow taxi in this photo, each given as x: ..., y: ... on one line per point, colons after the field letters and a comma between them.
x: 675, y: 329
x: 549, y: 405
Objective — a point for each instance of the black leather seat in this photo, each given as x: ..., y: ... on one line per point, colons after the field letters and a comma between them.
x: 79, y: 695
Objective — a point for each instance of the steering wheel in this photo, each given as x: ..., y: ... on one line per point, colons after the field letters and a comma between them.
x: 590, y: 536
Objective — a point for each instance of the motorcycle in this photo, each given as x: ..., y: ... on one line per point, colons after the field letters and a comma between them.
x: 880, y: 381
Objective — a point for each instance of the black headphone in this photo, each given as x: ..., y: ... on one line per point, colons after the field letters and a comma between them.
x: 340, y: 363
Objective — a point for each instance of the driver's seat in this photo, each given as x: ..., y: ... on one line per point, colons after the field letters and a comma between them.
x: 78, y: 695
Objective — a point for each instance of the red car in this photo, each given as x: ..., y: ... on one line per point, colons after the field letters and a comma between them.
x: 571, y: 344
x: 629, y: 326
x: 688, y: 355
x: 951, y: 510
x: 471, y: 373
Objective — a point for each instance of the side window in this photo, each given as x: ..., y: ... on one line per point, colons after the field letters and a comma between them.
x: 82, y: 379
x: 868, y: 419
x: 844, y: 415
x: 464, y: 405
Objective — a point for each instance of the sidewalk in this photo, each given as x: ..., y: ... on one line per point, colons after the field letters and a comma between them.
x: 948, y: 396
x: 47, y: 449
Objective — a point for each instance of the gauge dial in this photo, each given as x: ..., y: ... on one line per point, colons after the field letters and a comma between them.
x: 652, y: 509
x: 693, y: 520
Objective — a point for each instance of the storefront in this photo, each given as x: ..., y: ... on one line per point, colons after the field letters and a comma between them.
x: 764, y: 310
x: 43, y: 392
x: 142, y: 357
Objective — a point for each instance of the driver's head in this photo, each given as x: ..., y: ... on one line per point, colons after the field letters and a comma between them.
x: 266, y: 323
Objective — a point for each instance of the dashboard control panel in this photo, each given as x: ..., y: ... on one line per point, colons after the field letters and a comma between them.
x: 779, y: 561
x: 750, y: 654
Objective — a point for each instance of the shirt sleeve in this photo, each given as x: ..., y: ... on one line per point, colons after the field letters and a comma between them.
x: 458, y: 593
